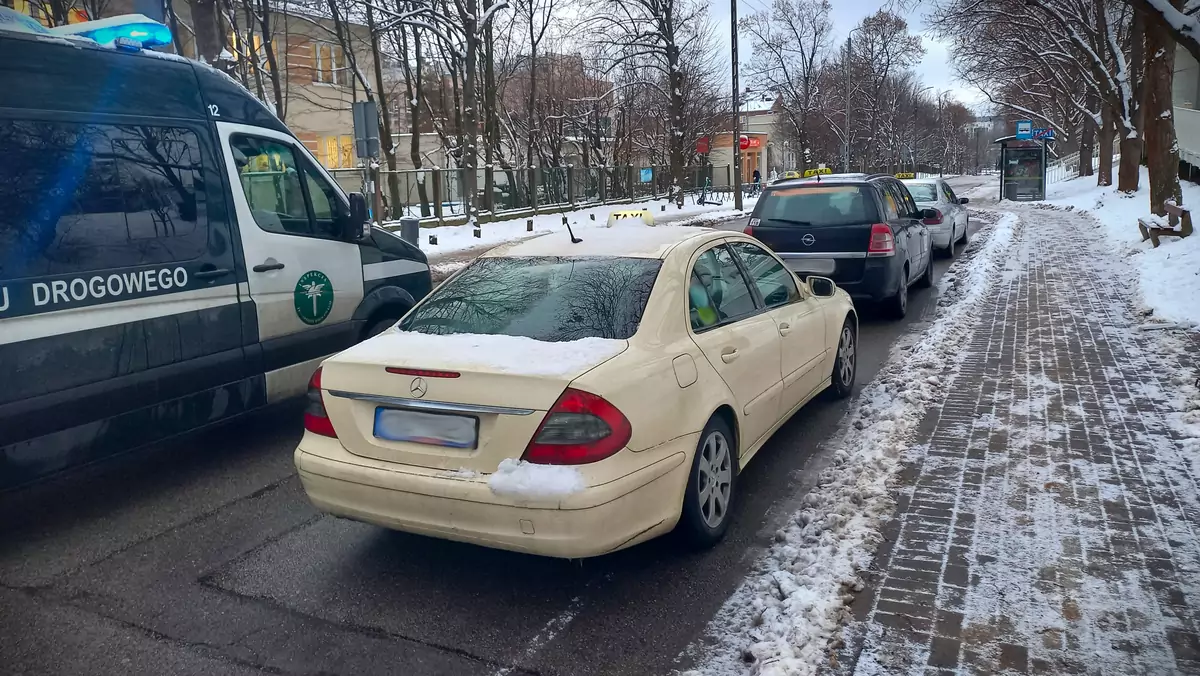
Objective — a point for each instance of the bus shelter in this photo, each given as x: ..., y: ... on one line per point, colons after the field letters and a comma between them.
x: 1022, y: 169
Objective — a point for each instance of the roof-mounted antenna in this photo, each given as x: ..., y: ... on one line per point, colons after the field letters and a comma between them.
x: 574, y: 239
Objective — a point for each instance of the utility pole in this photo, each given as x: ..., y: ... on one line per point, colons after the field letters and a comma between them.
x: 846, y: 152
x: 737, y: 111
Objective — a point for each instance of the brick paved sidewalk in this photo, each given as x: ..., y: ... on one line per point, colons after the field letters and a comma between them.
x: 1047, y: 517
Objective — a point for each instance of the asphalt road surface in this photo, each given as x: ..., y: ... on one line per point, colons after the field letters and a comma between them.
x: 204, y: 557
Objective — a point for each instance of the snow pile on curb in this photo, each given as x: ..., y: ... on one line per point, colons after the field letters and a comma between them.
x: 520, y: 479
x: 790, y: 610
x: 1169, y: 276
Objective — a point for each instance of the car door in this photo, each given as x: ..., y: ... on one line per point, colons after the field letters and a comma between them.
x: 902, y: 226
x: 738, y: 338
x: 304, y: 277
x: 918, y: 232
x: 798, y: 318
x: 959, y: 211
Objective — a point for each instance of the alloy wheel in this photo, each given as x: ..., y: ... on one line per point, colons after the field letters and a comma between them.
x: 714, y: 479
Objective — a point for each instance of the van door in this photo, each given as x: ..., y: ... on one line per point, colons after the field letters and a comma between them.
x: 304, y: 277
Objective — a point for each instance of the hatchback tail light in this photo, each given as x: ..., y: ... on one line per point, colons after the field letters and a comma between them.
x: 315, y: 418
x: 936, y: 220
x: 883, y: 242
x: 749, y: 229
x: 580, y: 428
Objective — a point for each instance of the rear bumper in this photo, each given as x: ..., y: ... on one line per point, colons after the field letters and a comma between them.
x: 880, y: 279
x: 941, y: 235
x: 600, y: 519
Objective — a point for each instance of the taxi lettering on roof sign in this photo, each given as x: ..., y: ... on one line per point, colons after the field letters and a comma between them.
x: 906, y: 174
x: 809, y: 173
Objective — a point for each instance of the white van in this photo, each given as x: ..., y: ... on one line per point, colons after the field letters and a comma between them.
x: 170, y: 255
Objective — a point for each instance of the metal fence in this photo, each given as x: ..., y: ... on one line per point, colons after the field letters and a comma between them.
x: 438, y: 193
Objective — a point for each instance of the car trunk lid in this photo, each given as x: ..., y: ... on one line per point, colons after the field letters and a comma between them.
x: 455, y: 402
x: 818, y: 228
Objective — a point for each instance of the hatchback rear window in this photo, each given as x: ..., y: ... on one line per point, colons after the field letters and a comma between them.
x: 545, y: 298
x: 817, y: 205
x: 922, y: 192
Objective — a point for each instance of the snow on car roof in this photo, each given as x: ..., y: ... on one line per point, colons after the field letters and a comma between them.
x: 632, y: 241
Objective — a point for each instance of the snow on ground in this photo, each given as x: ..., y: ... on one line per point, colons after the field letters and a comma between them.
x: 792, y: 606
x: 1169, y: 276
x: 479, y: 352
x: 520, y: 479
x: 453, y: 239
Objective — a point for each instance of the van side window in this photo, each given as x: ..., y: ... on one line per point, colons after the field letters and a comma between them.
x: 285, y: 195
x: 85, y: 197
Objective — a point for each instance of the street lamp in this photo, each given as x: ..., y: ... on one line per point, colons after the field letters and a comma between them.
x: 846, y: 151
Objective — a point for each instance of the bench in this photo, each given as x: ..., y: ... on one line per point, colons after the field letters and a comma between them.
x: 1177, y: 217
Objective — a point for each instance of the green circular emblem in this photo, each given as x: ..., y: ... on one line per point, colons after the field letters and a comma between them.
x: 314, y: 297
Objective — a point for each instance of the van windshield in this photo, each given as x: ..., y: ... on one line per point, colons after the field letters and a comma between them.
x: 817, y: 205
x: 547, y: 298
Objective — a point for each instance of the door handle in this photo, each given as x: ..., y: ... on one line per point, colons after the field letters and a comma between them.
x: 729, y: 354
x: 211, y: 274
x: 785, y: 329
x: 268, y: 265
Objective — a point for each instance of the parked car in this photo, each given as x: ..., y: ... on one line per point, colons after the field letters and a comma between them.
x: 171, y: 255
x: 571, y: 399
x: 863, y: 232
x: 949, y: 226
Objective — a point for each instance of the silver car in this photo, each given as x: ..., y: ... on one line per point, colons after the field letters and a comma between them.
x: 950, y: 228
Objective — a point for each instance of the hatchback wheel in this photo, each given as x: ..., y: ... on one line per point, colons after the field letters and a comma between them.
x: 896, y: 306
x: 950, y: 250
x: 846, y: 363
x: 926, y: 279
x: 711, y: 485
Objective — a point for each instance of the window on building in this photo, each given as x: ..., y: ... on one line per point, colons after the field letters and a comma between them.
x: 257, y: 52
x: 337, y: 152
x: 89, y: 197
x: 329, y: 64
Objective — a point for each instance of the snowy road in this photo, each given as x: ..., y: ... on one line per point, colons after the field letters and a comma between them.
x: 205, y: 558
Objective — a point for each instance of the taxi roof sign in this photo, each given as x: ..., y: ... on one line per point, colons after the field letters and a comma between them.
x: 809, y: 173
x: 906, y: 174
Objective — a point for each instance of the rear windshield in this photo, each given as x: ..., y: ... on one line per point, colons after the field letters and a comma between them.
x: 922, y: 192
x: 544, y: 298
x: 816, y: 205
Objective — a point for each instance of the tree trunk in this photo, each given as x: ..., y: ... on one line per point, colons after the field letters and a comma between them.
x: 206, y: 20
x: 1106, y: 135
x: 675, y: 110
x: 412, y: 87
x: 1087, y: 141
x: 490, y: 127
x: 1162, y: 151
x: 386, y: 142
x: 470, y: 98
x: 1129, y: 173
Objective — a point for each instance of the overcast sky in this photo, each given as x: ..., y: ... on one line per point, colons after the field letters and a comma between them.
x: 934, y: 68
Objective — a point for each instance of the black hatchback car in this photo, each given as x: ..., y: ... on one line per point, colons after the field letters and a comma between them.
x: 863, y: 232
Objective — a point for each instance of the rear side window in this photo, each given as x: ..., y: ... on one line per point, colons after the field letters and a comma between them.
x: 546, y: 298
x: 923, y: 192
x: 817, y: 205
x: 949, y: 193
x: 718, y: 292
x: 84, y: 197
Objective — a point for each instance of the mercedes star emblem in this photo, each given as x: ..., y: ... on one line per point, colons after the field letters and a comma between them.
x: 418, y: 387
x: 808, y: 240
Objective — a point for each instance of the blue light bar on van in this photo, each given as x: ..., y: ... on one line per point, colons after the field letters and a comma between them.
x: 122, y: 31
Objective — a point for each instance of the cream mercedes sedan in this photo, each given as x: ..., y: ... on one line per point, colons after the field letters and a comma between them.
x: 572, y: 398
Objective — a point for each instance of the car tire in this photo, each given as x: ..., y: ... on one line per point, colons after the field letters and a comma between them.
x: 845, y: 363
x: 378, y: 326
x: 950, y: 250
x: 965, y: 239
x: 896, y: 306
x: 705, y: 517
x: 926, y: 279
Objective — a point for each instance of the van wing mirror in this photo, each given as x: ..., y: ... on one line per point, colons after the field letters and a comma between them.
x: 357, y: 226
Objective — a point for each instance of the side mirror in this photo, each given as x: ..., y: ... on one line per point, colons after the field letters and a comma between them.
x: 822, y: 287
x: 964, y: 200
x: 929, y: 213
x: 357, y: 226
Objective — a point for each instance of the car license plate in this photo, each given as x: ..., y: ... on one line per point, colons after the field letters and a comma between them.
x: 812, y: 266
x: 433, y: 429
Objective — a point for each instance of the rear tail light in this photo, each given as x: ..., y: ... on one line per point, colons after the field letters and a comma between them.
x: 883, y: 242
x: 315, y: 418
x: 749, y: 229
x: 936, y: 220
x: 580, y: 428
